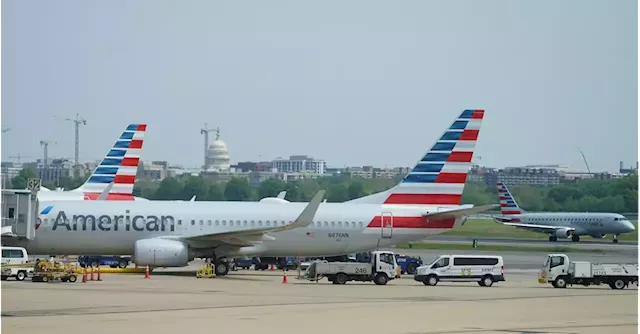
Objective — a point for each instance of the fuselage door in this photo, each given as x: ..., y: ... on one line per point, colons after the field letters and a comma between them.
x: 387, y: 224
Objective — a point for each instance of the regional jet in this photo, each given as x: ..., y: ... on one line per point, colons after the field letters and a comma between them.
x: 561, y: 224
x: 427, y: 201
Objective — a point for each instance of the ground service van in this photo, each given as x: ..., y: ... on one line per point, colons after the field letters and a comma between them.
x: 484, y: 269
x: 13, y: 257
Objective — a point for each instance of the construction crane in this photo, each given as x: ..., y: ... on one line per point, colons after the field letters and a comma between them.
x: 46, y: 143
x: 585, y: 161
x: 206, y: 131
x: 78, y: 121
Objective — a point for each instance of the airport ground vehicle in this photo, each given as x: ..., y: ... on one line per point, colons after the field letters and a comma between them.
x: 380, y: 270
x: 408, y: 264
x: 13, y: 259
x: 289, y: 263
x: 46, y: 271
x: 112, y: 261
x: 243, y: 262
x: 484, y: 269
x: 559, y: 271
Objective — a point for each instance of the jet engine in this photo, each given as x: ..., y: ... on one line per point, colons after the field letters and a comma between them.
x: 161, y: 253
x: 563, y: 233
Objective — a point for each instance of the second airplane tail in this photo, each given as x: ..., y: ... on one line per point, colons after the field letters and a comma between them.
x: 119, y: 166
x: 439, y: 177
x: 508, y: 205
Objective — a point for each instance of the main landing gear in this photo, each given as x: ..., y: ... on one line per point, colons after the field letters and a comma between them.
x: 574, y: 238
x: 615, y: 238
x: 221, y: 265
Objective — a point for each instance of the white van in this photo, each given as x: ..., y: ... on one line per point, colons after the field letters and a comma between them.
x: 484, y: 269
x: 14, y: 255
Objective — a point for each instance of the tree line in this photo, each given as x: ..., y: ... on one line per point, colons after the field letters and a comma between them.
x: 614, y: 195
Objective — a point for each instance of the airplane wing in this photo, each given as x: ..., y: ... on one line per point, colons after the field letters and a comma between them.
x: 547, y: 228
x: 457, y: 213
x: 253, y: 236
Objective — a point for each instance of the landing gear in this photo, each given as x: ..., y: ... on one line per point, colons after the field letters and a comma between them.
x: 615, y: 238
x: 553, y: 238
x: 575, y: 238
x: 222, y: 266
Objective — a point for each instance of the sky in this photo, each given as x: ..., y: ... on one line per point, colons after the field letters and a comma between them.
x: 351, y: 82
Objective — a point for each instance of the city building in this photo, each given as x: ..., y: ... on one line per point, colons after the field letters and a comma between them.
x: 298, y: 164
x: 217, y: 156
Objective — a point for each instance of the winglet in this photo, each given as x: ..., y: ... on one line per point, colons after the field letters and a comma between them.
x: 281, y: 194
x: 306, y: 217
x: 193, y: 198
x: 105, y: 193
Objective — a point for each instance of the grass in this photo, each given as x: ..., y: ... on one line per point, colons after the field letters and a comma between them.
x: 486, y: 228
x: 499, y: 248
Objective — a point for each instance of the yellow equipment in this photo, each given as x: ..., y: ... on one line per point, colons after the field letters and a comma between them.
x: 45, y: 271
x: 206, y: 271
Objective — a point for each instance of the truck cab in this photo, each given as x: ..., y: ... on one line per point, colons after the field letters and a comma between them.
x: 384, y: 262
x: 555, y: 265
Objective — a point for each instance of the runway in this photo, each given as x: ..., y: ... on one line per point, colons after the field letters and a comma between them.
x: 584, y: 244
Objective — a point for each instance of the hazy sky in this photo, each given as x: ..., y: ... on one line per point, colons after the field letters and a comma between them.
x: 352, y: 82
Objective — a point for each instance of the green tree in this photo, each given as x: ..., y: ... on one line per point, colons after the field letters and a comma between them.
x: 237, y: 189
x: 355, y: 190
x: 337, y: 193
x: 194, y: 186
x: 215, y: 193
x: 271, y: 187
x: 20, y: 181
x: 169, y: 189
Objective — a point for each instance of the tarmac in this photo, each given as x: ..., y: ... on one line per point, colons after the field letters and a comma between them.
x: 248, y: 301
x: 584, y: 243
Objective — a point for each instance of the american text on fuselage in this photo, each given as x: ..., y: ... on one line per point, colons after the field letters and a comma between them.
x: 114, y: 223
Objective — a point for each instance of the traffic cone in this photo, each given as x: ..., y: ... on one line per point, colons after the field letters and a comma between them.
x: 92, y: 273
x: 84, y: 276
x: 146, y: 272
x: 99, y: 279
x: 272, y: 268
x: 284, y: 278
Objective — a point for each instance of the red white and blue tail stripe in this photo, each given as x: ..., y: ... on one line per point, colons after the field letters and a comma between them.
x: 508, y: 205
x: 440, y: 175
x: 119, y: 166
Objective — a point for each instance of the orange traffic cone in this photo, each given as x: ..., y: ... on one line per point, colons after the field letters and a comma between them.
x: 84, y: 276
x: 92, y: 273
x: 284, y: 278
x: 99, y: 279
x: 146, y: 272
x: 272, y: 267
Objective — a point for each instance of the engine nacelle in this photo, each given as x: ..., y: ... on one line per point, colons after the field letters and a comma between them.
x: 563, y: 233
x: 161, y: 253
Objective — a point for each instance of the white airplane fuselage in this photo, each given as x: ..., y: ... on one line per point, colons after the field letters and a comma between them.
x: 337, y: 228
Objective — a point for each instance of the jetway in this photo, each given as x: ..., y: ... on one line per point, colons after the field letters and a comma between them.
x: 19, y: 213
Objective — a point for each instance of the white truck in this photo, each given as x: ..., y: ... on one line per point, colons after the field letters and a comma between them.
x: 380, y: 270
x: 15, y: 263
x: 559, y: 271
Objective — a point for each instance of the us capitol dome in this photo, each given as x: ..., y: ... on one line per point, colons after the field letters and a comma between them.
x: 218, y: 156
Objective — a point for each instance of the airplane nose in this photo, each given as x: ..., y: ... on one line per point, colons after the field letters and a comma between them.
x: 628, y: 227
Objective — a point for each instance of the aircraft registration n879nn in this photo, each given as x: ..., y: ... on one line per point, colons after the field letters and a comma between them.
x: 172, y: 233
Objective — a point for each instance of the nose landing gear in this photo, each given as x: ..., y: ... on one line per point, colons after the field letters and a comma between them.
x: 615, y: 238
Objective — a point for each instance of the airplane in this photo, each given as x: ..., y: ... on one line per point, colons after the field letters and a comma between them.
x: 119, y: 166
x: 173, y: 233
x: 561, y: 224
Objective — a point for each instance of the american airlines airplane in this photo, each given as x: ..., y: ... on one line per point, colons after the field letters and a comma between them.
x: 172, y: 233
x: 119, y: 167
x: 561, y: 224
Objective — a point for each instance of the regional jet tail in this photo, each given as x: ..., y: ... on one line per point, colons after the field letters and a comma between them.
x: 561, y: 224
x: 119, y: 167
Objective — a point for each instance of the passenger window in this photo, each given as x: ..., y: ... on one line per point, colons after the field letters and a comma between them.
x: 209, y: 222
x: 201, y: 222
x: 193, y: 222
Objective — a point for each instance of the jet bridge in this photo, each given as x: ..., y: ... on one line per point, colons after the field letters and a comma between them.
x: 19, y: 213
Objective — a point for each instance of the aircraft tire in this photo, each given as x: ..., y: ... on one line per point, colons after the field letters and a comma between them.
x: 222, y: 268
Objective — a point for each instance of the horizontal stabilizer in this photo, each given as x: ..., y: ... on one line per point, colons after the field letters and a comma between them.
x: 458, y: 213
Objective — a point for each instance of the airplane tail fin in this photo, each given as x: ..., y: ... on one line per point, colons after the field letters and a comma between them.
x: 508, y: 205
x: 440, y: 175
x: 119, y: 166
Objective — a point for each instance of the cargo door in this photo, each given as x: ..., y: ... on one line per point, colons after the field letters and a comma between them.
x: 386, y: 226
